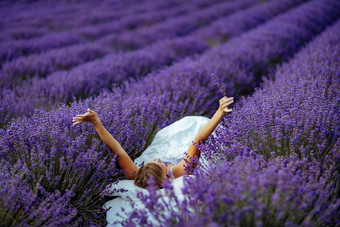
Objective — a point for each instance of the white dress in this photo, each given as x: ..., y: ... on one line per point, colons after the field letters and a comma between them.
x: 170, y: 145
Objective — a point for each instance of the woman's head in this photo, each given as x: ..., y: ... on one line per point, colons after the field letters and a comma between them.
x: 157, y: 169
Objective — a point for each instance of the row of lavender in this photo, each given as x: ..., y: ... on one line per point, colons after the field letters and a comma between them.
x: 26, y: 21
x: 10, y: 50
x: 275, y: 159
x: 21, y: 14
x: 88, y: 79
x: 62, y: 169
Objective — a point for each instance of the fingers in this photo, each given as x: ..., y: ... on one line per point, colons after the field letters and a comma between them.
x: 75, y: 123
x: 81, y: 115
x: 229, y: 102
x: 77, y: 120
x: 226, y: 100
x: 84, y: 117
x: 89, y: 111
x: 225, y: 105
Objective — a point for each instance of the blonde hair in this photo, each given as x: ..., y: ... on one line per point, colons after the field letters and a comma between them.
x: 146, y: 171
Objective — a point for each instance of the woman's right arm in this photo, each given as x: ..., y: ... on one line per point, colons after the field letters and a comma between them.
x: 202, y: 135
x: 125, y: 162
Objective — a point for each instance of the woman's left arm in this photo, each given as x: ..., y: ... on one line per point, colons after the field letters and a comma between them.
x: 202, y: 135
x: 124, y: 161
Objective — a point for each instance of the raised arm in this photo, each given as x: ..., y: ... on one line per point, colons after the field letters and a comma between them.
x: 125, y: 162
x: 202, y: 135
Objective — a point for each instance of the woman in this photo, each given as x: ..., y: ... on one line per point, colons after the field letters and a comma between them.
x: 158, y: 169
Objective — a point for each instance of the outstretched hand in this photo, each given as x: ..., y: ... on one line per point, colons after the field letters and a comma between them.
x: 224, y: 103
x: 89, y: 116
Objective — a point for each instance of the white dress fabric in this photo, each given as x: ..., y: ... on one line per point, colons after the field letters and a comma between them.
x: 171, y: 142
x: 170, y: 145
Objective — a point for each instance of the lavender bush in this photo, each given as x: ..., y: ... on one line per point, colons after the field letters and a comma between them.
x: 12, y: 49
x: 22, y: 33
x: 22, y: 206
x: 39, y: 65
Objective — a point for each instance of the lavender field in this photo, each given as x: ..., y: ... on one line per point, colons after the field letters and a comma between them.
x: 144, y: 64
